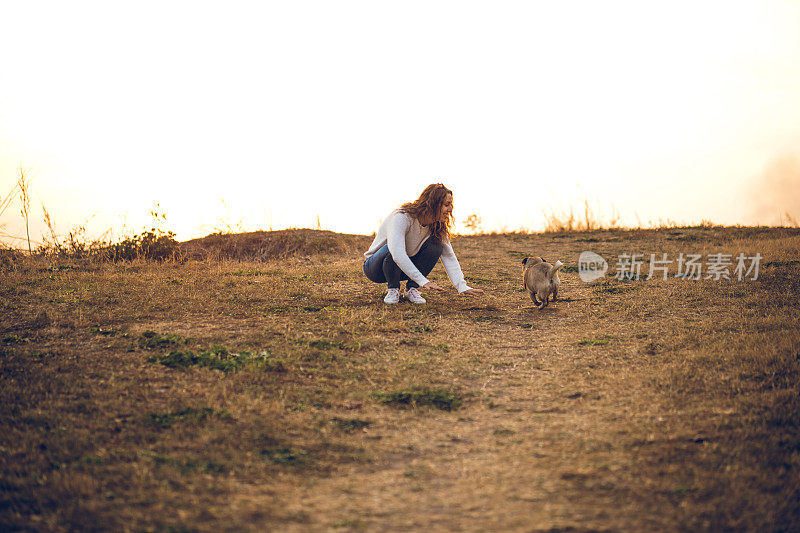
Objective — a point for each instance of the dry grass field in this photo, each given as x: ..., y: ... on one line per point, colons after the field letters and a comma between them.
x: 282, y: 394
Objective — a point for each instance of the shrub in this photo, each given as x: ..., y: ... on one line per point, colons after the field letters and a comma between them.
x: 153, y: 245
x: 150, y: 340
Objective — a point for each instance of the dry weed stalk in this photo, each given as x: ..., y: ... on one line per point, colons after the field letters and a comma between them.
x: 24, y: 195
x: 5, y: 203
x: 565, y: 223
x: 51, y: 228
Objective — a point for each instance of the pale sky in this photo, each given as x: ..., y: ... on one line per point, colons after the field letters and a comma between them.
x: 259, y: 115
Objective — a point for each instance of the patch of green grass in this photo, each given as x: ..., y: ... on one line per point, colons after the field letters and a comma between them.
x: 159, y: 458
x: 285, y: 456
x: 350, y: 424
x: 351, y: 524
x: 438, y: 398
x: 178, y: 359
x: 107, y: 331
x: 58, y: 268
x: 324, y: 344
x: 683, y: 237
x: 219, y: 358
x: 187, y: 414
x: 150, y: 340
x: 16, y: 339
x: 593, y: 342
x: 609, y: 288
x: 683, y: 491
x: 651, y: 348
x: 793, y: 262
x: 204, y: 467
x: 251, y: 272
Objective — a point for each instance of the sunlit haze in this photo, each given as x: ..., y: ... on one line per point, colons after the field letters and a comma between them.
x: 256, y: 115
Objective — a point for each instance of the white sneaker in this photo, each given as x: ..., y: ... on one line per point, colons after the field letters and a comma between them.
x: 392, y: 297
x: 414, y: 296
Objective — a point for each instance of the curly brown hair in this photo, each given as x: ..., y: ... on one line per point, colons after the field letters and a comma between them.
x: 429, y: 206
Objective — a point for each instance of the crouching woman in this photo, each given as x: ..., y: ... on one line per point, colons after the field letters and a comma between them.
x: 408, y: 244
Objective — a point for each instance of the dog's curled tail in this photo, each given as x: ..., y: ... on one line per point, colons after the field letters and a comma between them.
x: 554, y: 269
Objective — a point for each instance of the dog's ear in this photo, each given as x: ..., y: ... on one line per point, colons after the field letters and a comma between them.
x: 524, y: 260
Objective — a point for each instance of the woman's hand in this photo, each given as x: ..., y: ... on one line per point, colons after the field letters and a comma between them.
x: 431, y: 286
x: 472, y: 292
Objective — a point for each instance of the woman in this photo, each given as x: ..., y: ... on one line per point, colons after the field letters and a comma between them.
x: 410, y: 242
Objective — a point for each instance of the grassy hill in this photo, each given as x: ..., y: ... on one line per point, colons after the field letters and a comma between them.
x: 262, y: 384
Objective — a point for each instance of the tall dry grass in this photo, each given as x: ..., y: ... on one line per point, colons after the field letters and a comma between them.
x: 23, y: 184
x: 588, y: 220
x: 5, y: 203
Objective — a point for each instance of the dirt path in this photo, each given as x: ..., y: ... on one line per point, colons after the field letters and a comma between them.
x: 552, y: 440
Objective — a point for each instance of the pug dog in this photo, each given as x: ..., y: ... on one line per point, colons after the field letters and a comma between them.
x: 540, y: 279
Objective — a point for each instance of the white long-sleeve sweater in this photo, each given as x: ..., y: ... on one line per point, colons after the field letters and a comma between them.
x: 405, y: 236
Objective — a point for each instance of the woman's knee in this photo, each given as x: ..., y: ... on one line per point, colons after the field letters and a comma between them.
x: 389, y: 267
x: 434, y: 247
x: 427, y: 256
x: 374, y: 270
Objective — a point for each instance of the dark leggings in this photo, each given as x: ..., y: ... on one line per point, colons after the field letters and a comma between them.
x: 381, y: 268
